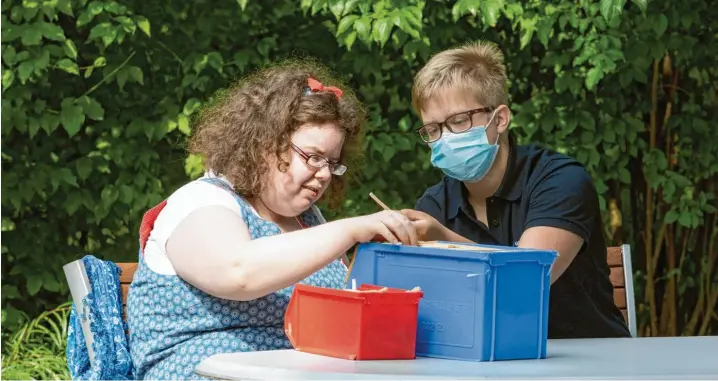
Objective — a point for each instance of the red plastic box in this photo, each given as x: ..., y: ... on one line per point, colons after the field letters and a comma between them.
x: 355, y: 325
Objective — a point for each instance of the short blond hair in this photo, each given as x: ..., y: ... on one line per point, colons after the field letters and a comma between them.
x: 476, y: 68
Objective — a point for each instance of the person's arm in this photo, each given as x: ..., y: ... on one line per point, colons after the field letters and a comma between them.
x: 563, y: 210
x: 212, y: 250
x: 322, y: 220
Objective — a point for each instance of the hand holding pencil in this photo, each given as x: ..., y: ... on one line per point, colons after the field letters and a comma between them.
x: 427, y: 227
x: 387, y: 225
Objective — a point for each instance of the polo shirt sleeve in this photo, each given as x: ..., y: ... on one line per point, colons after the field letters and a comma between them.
x: 564, y: 198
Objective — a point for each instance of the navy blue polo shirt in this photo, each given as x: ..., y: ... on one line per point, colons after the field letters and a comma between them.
x: 543, y: 188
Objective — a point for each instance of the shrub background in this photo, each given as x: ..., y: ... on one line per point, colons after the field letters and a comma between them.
x: 99, y: 96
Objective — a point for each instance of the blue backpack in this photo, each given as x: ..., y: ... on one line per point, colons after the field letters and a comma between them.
x: 103, y: 307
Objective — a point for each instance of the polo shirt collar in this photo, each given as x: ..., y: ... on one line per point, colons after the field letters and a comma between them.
x: 513, y: 181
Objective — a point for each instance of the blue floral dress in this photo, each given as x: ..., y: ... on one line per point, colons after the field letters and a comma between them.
x: 174, y: 326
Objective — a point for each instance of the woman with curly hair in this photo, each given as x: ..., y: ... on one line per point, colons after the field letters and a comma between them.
x: 220, y: 256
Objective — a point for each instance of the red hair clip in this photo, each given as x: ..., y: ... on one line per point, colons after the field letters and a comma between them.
x: 315, y: 85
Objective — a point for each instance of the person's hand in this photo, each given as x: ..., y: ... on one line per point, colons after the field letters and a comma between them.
x: 393, y: 226
x: 427, y: 227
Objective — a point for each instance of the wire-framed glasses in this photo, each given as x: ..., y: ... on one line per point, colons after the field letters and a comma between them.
x: 320, y: 162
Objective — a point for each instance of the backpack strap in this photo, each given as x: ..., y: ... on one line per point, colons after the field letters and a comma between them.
x: 148, y: 223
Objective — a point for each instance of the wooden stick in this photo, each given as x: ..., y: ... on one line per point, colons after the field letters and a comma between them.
x: 376, y: 199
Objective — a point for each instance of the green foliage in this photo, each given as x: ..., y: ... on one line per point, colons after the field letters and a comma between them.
x: 99, y: 97
x: 36, y: 351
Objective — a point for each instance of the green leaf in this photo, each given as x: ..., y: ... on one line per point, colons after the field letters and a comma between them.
x: 51, y: 31
x: 98, y: 31
x: 612, y: 9
x: 609, y: 135
x: 25, y: 70
x: 65, y: 6
x: 126, y: 194
x: 50, y: 283
x: 593, y: 77
x: 144, y: 24
x: 641, y: 4
x: 671, y: 217
x: 337, y: 9
x: 363, y: 28
x: 68, y: 66
x: 84, y: 18
x: 346, y: 23
x: 349, y: 40
x: 192, y: 105
x: 463, y: 7
x: 685, y: 219
x: 528, y: 27
x: 109, y: 195
x: 624, y: 176
x: 10, y: 291
x: 91, y: 108
x: 490, y: 10
x: 544, y: 30
x: 34, y: 282
x: 84, y: 167
x: 66, y: 175
x: 105, y: 31
x: 33, y: 127
x: 31, y: 35
x: 635, y: 124
x: 242, y: 5
x: 660, y: 25
x: 71, y: 116
x: 183, y: 124
x: 135, y: 74
x: 8, y: 77
x: 70, y: 49
x: 382, y: 31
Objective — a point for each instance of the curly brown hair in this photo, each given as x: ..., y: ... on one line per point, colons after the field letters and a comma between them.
x: 255, y: 117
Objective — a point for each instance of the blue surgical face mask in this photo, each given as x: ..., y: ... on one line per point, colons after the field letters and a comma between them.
x: 466, y: 156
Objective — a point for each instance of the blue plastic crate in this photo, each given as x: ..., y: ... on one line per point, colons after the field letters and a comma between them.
x: 478, y: 305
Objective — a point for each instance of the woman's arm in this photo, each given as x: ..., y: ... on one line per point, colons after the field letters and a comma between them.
x: 212, y: 250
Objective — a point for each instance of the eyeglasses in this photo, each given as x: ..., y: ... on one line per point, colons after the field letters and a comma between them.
x: 319, y: 162
x: 457, y: 123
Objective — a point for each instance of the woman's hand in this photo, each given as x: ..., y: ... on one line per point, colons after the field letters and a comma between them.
x: 427, y: 227
x: 391, y: 225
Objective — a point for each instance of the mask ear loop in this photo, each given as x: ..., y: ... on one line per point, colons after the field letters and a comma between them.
x: 498, y: 135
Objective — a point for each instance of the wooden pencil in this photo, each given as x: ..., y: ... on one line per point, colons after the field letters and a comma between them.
x: 376, y: 199
x: 354, y: 257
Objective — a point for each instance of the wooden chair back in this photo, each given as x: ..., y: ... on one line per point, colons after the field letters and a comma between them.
x: 619, y: 262
x: 128, y: 272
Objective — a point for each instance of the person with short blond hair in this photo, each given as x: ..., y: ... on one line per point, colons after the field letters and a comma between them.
x: 498, y: 192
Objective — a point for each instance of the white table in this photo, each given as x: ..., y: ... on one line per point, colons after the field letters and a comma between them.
x: 631, y: 358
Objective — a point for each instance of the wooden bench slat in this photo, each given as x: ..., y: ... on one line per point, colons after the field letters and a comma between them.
x: 619, y: 297
x: 614, y: 256
x: 617, y: 278
x: 125, y: 290
x: 128, y: 271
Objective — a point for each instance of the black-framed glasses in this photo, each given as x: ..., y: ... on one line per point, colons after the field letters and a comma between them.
x: 457, y: 123
x: 319, y: 162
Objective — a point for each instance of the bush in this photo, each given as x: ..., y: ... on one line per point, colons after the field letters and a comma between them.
x: 37, y: 350
x: 100, y: 96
